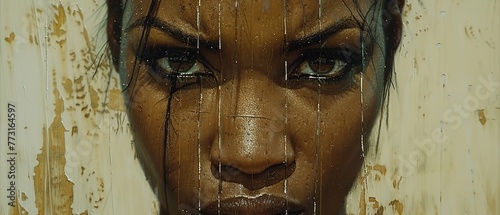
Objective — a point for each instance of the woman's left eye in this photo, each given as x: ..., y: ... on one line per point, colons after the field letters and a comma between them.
x: 327, y: 65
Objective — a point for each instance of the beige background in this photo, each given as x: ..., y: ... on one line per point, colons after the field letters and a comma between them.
x: 438, y: 154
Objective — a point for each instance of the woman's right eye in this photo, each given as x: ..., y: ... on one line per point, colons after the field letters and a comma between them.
x: 181, y: 65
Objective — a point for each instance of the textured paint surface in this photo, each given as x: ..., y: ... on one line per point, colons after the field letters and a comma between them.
x: 49, y: 173
x: 439, y: 141
x: 438, y: 152
x: 74, y: 147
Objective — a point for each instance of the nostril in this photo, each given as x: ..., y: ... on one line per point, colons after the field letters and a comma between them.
x: 272, y: 175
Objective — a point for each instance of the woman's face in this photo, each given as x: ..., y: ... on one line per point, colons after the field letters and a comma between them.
x: 252, y: 107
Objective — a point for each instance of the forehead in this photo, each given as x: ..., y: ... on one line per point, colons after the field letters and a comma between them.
x: 213, y: 18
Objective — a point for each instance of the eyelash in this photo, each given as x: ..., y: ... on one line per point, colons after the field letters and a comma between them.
x: 192, y: 67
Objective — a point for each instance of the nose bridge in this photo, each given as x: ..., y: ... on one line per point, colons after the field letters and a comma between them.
x: 253, y: 124
x: 254, y: 36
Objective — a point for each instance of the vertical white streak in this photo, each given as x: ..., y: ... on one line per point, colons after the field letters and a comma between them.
x: 48, y: 208
x: 219, y: 146
x: 316, y: 149
x: 285, y: 187
x: 318, y: 126
x: 361, y: 99
x: 219, y: 142
x: 362, y: 116
x: 218, y: 23
x: 200, y: 99
x: 198, y: 24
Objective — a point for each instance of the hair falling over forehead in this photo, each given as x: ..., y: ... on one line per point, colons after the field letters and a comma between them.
x: 383, y: 9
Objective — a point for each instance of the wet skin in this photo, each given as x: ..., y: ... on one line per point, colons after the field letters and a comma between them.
x: 245, y: 128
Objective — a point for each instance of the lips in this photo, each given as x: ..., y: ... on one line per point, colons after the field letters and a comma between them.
x: 265, y: 205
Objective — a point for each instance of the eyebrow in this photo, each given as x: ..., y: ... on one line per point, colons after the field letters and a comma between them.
x: 175, y: 32
x: 192, y: 39
x: 316, y: 38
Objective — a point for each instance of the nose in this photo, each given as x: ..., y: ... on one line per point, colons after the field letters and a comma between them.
x: 253, y: 148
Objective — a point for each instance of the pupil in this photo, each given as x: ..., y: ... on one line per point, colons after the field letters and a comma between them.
x: 181, y: 63
x: 321, y: 66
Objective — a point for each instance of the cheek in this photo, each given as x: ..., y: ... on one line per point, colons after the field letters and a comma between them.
x: 147, y: 111
x: 330, y: 138
x: 190, y: 128
x: 330, y: 141
x: 188, y: 132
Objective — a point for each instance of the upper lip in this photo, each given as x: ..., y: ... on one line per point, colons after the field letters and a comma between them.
x: 265, y: 204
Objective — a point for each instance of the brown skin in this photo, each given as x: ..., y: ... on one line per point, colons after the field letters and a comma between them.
x: 266, y: 138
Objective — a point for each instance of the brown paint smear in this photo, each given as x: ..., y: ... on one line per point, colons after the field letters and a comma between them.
x: 53, y: 190
x: 362, y: 196
x: 379, y: 168
x: 11, y: 37
x: 60, y: 20
x: 378, y: 172
x: 18, y: 209
x: 397, y: 206
x: 482, y: 117
x: 115, y: 100
x: 376, y: 205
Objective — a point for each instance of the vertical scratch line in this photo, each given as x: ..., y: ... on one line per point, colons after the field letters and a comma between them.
x: 285, y: 187
x: 219, y: 89
x: 47, y: 146
x: 318, y: 127
x: 199, y: 108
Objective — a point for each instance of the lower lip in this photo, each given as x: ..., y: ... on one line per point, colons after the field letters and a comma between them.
x: 265, y: 204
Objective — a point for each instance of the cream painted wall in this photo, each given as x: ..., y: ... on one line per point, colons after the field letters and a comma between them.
x: 439, y: 148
